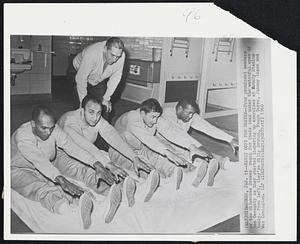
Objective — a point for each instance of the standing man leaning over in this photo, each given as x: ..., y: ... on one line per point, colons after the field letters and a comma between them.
x: 96, y: 63
x: 33, y: 158
x: 185, y: 115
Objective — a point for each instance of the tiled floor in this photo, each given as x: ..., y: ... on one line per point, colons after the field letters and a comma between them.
x: 62, y: 102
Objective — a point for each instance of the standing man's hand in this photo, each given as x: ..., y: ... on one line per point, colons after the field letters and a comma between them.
x: 103, y: 174
x: 68, y: 186
x: 107, y: 104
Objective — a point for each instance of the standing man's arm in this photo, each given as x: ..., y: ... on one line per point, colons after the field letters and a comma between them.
x: 81, y: 77
x: 113, y: 82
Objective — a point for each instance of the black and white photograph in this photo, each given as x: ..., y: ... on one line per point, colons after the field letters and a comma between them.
x: 126, y: 164
x: 142, y: 134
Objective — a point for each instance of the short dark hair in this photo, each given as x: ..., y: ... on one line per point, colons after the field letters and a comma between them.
x: 90, y: 97
x: 184, y: 102
x: 39, y: 109
x: 151, y: 105
x: 114, y: 42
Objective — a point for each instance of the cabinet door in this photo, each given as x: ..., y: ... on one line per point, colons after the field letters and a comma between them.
x: 40, y: 75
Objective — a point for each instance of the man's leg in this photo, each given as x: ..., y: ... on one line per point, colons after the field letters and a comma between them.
x: 218, y: 162
x: 34, y: 186
x: 119, y: 159
x: 76, y: 170
x: 164, y: 166
x: 152, y: 180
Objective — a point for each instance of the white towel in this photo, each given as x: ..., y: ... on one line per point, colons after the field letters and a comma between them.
x: 186, y: 211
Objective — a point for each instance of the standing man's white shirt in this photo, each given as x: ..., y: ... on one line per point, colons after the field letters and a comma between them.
x: 90, y: 69
x: 197, y: 123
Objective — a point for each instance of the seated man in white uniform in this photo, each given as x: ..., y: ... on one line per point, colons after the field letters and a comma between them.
x: 34, y: 175
x: 83, y: 126
x: 185, y: 115
x: 139, y: 128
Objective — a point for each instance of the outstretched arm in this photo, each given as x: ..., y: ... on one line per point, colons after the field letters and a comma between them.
x: 85, y: 144
x: 204, y: 126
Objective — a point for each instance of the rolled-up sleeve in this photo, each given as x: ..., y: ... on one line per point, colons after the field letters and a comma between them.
x: 27, y: 146
x: 204, y: 126
x: 115, y: 78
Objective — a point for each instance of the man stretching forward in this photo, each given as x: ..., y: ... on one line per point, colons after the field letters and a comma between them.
x: 34, y: 175
x: 140, y: 127
x: 185, y: 115
x: 83, y: 126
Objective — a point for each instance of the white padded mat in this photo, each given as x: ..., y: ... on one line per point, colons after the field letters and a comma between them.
x: 188, y: 210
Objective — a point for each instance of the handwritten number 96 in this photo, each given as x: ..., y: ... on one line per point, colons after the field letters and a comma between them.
x: 191, y: 14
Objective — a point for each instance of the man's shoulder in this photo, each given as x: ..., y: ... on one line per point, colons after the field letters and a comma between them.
x: 94, y: 49
x: 24, y: 129
x: 70, y: 116
x: 133, y: 114
x: 129, y: 117
x: 97, y: 45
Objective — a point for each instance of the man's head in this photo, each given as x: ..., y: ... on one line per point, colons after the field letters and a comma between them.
x: 186, y: 108
x: 150, y: 111
x: 92, y: 108
x: 42, y: 122
x: 113, y: 50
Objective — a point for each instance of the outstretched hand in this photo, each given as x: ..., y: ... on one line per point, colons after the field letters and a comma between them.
x: 176, y: 159
x: 140, y: 164
x: 103, y: 174
x: 117, y: 171
x: 69, y: 187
